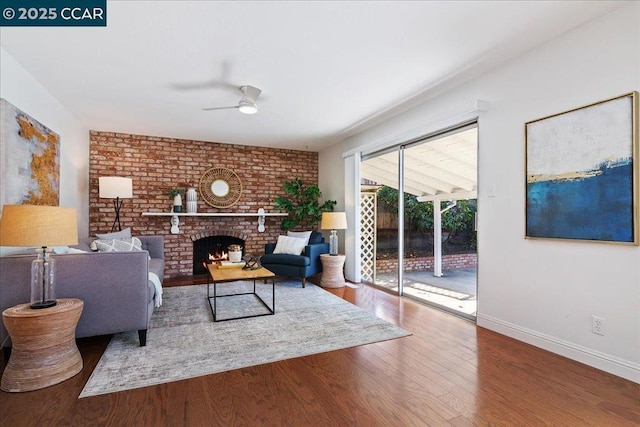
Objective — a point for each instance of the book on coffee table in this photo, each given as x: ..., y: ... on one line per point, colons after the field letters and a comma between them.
x: 231, y: 264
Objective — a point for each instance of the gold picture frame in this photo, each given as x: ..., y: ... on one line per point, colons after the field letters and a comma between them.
x: 582, y: 173
x: 220, y: 187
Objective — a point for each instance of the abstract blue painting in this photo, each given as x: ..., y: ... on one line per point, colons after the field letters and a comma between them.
x: 582, y: 174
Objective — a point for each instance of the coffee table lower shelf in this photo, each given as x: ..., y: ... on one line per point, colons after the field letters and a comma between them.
x: 219, y: 276
x: 214, y: 298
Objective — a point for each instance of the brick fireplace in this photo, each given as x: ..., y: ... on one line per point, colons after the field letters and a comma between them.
x: 213, y: 245
x: 157, y: 164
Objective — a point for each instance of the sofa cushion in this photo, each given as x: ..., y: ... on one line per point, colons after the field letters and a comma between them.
x: 59, y: 250
x: 289, y: 245
x: 76, y: 251
x: 286, y: 259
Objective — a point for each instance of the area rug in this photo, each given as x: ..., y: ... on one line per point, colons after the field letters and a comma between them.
x: 183, y: 342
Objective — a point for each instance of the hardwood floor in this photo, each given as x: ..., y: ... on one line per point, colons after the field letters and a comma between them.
x: 449, y: 372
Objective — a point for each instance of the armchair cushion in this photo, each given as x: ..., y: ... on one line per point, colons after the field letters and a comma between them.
x: 314, y: 251
x: 285, y: 259
x: 315, y: 238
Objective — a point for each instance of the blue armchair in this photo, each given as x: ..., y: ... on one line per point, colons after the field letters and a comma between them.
x: 299, y: 266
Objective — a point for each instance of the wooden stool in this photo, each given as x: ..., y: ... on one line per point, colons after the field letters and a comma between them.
x: 44, y: 350
x: 332, y: 271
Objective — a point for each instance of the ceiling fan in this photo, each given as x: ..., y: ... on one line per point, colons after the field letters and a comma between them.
x: 247, y: 104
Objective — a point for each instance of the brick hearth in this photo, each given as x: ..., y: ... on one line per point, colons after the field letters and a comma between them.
x: 157, y: 164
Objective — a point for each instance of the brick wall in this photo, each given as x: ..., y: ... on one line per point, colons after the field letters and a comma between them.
x: 449, y: 262
x: 157, y: 164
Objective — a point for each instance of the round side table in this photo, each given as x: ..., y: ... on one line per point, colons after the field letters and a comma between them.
x: 332, y: 271
x: 44, y: 350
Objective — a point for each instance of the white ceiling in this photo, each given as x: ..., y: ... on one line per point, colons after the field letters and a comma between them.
x: 327, y: 69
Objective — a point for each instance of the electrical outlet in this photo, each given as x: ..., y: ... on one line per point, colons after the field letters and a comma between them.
x: 597, y: 325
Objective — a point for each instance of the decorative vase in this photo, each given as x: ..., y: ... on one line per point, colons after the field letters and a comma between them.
x: 235, y: 253
x: 192, y: 200
x: 177, y: 203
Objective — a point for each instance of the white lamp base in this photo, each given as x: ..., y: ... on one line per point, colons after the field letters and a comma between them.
x: 43, y: 270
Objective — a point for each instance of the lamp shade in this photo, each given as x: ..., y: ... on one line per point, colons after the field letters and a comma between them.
x: 333, y: 221
x: 32, y: 225
x: 115, y: 186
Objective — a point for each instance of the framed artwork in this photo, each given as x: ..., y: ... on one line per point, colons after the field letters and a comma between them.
x: 582, y: 173
x: 29, y: 159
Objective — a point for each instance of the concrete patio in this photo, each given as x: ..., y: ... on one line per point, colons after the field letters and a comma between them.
x: 455, y: 290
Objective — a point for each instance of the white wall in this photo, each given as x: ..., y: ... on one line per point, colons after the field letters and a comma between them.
x: 541, y: 292
x: 22, y: 90
x: 331, y: 183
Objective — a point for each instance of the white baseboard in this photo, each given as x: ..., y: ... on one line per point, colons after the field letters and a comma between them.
x: 619, y: 367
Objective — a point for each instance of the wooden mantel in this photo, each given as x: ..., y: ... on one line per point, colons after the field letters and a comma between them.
x: 175, y: 221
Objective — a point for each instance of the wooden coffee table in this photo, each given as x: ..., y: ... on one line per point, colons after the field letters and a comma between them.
x: 226, y: 275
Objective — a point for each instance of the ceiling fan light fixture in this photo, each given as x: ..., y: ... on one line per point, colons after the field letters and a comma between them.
x: 247, y: 104
x: 247, y: 107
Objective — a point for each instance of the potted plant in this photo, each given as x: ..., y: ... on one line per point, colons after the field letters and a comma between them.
x: 302, y: 203
x: 176, y: 194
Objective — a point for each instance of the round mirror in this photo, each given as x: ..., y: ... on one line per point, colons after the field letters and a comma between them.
x: 219, y: 188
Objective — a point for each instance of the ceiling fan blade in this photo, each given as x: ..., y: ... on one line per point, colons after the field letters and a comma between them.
x: 215, y: 84
x: 251, y: 92
x: 219, y: 108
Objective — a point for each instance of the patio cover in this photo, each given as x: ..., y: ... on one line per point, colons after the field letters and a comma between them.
x: 442, y: 169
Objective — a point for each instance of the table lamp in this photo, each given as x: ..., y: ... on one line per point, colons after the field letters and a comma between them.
x: 115, y: 187
x: 333, y: 221
x: 43, y: 226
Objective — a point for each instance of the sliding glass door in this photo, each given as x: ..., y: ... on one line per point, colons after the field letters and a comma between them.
x: 419, y: 204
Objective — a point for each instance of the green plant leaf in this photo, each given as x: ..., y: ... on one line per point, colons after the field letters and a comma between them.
x: 302, y: 204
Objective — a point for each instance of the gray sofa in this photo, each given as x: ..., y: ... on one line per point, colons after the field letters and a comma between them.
x: 115, y: 287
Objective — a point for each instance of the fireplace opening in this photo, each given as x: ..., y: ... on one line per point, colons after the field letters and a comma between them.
x: 212, y: 249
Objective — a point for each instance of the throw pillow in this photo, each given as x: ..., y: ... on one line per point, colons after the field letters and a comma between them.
x: 289, y: 245
x: 132, y: 244
x: 123, y: 234
x: 301, y: 235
